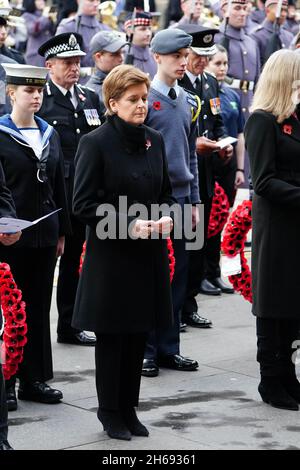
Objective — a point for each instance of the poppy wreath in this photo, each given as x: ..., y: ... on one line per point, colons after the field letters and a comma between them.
x: 15, y: 327
x: 219, y: 211
x: 170, y: 256
x: 234, y: 237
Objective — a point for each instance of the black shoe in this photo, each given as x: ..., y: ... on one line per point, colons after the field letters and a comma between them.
x: 178, y: 362
x: 81, y: 338
x: 4, y: 445
x: 292, y: 386
x: 182, y: 327
x: 114, y: 425
x: 40, y: 392
x: 194, y: 319
x: 208, y: 288
x: 11, y: 398
x: 218, y: 282
x: 133, y: 423
x: 150, y: 368
x: 272, y: 392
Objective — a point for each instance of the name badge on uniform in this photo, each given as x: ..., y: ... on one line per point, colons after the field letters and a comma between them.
x: 215, y: 105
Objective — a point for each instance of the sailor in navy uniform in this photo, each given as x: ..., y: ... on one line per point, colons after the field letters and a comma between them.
x: 32, y: 161
x: 73, y: 110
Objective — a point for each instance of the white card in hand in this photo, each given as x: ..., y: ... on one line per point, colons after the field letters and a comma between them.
x: 10, y: 225
x: 225, y: 142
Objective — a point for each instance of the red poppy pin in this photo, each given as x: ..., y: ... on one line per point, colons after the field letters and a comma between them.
x: 81, y: 97
x: 148, y: 144
x: 156, y: 105
x: 287, y: 129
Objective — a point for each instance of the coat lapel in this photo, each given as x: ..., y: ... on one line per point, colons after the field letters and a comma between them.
x: 59, y: 97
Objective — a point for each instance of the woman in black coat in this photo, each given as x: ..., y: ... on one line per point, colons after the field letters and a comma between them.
x: 32, y: 162
x: 124, y: 288
x: 273, y: 141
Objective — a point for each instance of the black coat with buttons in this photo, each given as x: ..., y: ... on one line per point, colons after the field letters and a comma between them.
x: 211, y: 123
x: 32, y: 198
x: 125, y: 284
x: 71, y: 124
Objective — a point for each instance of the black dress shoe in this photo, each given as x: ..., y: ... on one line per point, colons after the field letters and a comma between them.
x: 11, y: 398
x: 81, y: 338
x: 208, y: 288
x: 39, y: 392
x: 133, y: 423
x: 178, y: 362
x: 113, y: 423
x: 218, y: 282
x: 183, y: 327
x: 194, y: 319
x: 292, y: 386
x: 150, y: 368
x: 4, y: 445
x: 272, y: 392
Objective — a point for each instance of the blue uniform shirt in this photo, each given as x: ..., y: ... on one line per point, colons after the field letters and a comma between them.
x: 231, y: 111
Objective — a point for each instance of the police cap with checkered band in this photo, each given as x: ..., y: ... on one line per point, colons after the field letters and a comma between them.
x: 62, y: 46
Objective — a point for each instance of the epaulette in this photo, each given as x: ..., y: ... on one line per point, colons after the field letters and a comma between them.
x: 87, y: 88
x: 48, y: 90
x: 209, y: 74
x: 66, y: 20
x: 195, y: 101
x: 257, y: 28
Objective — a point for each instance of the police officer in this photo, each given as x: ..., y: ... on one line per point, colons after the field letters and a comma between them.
x: 264, y: 33
x: 210, y: 129
x: 86, y: 24
x: 73, y: 110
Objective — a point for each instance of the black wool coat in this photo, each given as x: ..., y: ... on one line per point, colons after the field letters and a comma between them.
x: 274, y: 152
x: 124, y: 286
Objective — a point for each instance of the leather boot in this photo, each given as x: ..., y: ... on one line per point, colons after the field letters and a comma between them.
x: 273, y: 393
x: 133, y: 423
x: 113, y: 424
x: 292, y: 386
x: 11, y: 398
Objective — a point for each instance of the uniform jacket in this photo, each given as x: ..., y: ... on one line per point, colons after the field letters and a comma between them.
x: 5, y: 105
x: 95, y: 83
x: 119, y: 274
x: 262, y: 34
x: 143, y: 60
x: 71, y: 124
x: 32, y: 198
x: 244, y: 61
x: 275, y: 168
x: 12, y: 54
x: 207, y: 121
x: 87, y: 26
x: 39, y: 29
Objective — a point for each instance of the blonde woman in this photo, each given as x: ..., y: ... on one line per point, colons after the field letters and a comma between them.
x: 272, y: 136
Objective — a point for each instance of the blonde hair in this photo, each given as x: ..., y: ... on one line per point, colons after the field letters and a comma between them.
x: 277, y: 87
x: 119, y: 80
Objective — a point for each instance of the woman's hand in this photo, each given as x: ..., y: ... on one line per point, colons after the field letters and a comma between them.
x: 163, y: 225
x: 239, y: 179
x: 143, y: 228
x: 8, y: 239
x: 60, y: 248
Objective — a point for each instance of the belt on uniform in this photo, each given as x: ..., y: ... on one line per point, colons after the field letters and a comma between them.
x: 243, y: 85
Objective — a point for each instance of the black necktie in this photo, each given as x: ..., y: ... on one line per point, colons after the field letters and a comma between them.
x: 197, y: 84
x: 172, y: 94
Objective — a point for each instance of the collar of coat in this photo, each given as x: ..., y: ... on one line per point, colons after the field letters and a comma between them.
x: 51, y: 89
x: 8, y: 127
x: 233, y: 33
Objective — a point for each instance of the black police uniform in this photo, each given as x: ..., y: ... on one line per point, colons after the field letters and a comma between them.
x: 211, y: 125
x: 71, y: 124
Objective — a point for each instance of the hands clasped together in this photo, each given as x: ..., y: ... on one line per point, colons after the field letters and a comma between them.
x: 144, y: 228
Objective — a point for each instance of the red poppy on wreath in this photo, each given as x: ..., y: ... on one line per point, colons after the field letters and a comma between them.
x: 219, y: 211
x: 156, y: 105
x: 287, y: 129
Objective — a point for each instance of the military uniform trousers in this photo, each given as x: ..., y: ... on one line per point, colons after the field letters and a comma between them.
x: 119, y: 361
x: 68, y: 277
x: 33, y: 270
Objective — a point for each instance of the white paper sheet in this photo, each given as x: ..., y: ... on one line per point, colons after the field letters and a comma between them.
x: 9, y: 225
x: 225, y: 142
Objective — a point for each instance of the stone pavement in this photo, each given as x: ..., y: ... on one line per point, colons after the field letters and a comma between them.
x: 217, y: 407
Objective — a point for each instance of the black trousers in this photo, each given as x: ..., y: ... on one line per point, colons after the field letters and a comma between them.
x: 68, y: 278
x: 119, y: 361
x: 33, y: 270
x: 275, y: 338
x: 3, y: 406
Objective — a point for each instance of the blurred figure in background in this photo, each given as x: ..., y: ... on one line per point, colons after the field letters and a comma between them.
x: 8, y: 51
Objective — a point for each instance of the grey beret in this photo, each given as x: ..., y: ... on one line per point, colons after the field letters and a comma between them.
x: 171, y: 40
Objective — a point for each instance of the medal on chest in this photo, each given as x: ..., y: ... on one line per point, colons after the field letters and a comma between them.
x: 215, y: 105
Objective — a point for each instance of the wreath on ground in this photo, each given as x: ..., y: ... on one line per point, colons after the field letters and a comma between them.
x: 15, y: 327
x: 234, y: 237
x: 170, y: 256
x: 219, y: 211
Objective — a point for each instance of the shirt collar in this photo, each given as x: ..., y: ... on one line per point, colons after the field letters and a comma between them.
x: 64, y: 90
x: 163, y: 88
x: 192, y: 77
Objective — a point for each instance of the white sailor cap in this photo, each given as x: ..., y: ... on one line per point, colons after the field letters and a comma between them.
x: 62, y: 46
x: 20, y: 74
x: 5, y: 7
